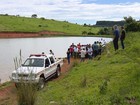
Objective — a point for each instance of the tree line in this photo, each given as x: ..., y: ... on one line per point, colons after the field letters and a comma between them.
x: 129, y: 23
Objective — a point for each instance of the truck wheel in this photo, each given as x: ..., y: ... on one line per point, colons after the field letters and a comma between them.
x: 58, y: 72
x: 41, y: 83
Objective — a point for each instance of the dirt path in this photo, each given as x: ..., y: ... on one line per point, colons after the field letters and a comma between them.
x: 8, y: 94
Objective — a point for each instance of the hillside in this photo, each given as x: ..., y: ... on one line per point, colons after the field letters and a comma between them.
x: 24, y: 24
x: 114, y: 79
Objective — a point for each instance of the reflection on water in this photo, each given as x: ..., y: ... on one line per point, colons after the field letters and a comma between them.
x: 10, y: 48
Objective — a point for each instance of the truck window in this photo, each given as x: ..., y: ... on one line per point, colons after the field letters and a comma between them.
x: 34, y: 62
x: 47, y: 63
x: 52, y: 60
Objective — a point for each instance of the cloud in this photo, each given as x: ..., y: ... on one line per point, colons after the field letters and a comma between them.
x: 70, y: 10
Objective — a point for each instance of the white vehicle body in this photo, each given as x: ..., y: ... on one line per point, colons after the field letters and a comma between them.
x: 36, y: 67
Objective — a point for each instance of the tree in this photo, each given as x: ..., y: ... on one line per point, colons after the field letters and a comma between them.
x: 84, y: 33
x: 85, y: 24
x: 104, y: 31
x: 129, y: 20
x: 34, y: 16
x: 132, y: 24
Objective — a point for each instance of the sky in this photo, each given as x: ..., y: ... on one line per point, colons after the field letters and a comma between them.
x: 74, y: 11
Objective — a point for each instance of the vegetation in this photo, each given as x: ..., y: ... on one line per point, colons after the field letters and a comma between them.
x: 105, y: 31
x: 26, y: 92
x: 131, y: 24
x: 4, y: 85
x: 24, y: 24
x: 114, y: 79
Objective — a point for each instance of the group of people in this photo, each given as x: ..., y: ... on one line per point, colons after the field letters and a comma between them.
x: 84, y: 51
x: 117, y: 35
x: 90, y: 51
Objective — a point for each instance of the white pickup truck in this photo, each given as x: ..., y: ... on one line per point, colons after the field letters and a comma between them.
x: 37, y: 68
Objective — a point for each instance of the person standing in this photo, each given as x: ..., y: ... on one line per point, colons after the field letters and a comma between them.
x: 90, y: 52
x: 68, y: 55
x: 51, y: 52
x: 95, y: 49
x: 83, y: 53
x: 75, y: 52
x: 122, y: 36
x: 116, y: 37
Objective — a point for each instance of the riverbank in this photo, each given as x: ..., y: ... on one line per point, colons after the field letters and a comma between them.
x: 44, y: 34
x: 28, y: 34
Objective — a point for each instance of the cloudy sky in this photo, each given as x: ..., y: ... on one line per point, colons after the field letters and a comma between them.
x: 75, y: 11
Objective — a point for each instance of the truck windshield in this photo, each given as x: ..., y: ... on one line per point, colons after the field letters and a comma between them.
x: 34, y: 62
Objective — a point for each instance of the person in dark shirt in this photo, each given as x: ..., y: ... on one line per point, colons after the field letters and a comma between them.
x: 68, y: 55
x: 116, y: 37
x: 51, y: 52
x: 122, y: 36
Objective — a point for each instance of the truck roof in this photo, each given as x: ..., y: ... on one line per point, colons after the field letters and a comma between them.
x: 40, y: 55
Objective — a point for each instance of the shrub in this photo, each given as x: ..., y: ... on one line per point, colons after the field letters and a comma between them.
x: 131, y: 24
x: 26, y: 93
x: 84, y: 33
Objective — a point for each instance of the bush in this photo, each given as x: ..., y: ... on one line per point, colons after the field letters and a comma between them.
x: 104, y: 31
x: 90, y: 33
x: 26, y: 93
x: 84, y: 33
x: 131, y: 24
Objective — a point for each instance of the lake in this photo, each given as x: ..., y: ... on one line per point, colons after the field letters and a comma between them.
x: 10, y: 48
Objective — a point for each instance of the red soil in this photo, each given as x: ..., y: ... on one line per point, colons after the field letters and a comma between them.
x: 28, y: 34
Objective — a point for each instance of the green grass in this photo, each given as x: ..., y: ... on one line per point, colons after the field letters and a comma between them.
x: 112, y: 80
x: 4, y: 85
x: 24, y: 24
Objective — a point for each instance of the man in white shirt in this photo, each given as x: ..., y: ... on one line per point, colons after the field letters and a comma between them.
x: 83, y: 53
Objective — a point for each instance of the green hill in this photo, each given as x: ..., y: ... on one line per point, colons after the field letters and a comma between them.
x: 114, y: 79
x: 24, y: 24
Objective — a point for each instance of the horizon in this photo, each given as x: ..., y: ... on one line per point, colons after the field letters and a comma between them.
x: 74, y: 11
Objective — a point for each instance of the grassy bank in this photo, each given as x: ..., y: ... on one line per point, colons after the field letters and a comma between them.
x: 23, y: 24
x: 114, y: 79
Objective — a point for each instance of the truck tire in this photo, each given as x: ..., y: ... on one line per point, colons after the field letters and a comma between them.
x: 41, y: 83
x: 58, y: 72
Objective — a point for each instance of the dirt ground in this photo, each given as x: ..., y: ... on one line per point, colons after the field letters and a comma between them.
x: 8, y: 94
x: 28, y: 34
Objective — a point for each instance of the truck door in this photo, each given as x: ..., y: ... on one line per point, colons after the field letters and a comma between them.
x: 49, y: 67
x: 52, y: 66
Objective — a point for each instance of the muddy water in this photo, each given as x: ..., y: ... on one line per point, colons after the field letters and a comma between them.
x: 10, y: 48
